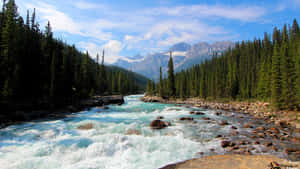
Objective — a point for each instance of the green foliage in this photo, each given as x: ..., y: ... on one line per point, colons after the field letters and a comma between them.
x: 37, y: 69
x: 171, y: 78
x: 266, y: 70
x: 276, y: 78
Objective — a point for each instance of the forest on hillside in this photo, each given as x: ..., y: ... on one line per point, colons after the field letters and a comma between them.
x: 265, y: 69
x: 37, y: 69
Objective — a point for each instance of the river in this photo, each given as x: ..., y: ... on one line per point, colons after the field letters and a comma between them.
x: 60, y: 144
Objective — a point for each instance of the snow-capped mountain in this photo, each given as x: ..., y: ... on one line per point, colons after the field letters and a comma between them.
x: 184, y: 56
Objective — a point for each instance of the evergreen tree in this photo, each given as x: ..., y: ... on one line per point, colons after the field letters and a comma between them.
x: 161, y: 89
x: 277, y: 78
x: 171, y: 79
x: 264, y: 70
x: 288, y: 72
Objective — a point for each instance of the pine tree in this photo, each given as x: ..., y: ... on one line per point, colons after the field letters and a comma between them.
x: 8, y: 49
x: 160, y: 83
x: 103, y: 78
x: 171, y: 79
x: 298, y: 76
x: 276, y: 78
x: 288, y: 73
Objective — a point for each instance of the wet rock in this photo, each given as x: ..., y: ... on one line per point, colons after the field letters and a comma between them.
x: 247, y: 126
x: 234, y: 128
x: 234, y: 133
x: 219, y: 136
x: 158, y: 124
x: 290, y: 150
x: 261, y: 135
x: 268, y: 133
x: 86, y: 126
x: 274, y: 130
x: 242, y: 142
x: 235, y: 147
x: 160, y: 117
x: 201, y: 153
x: 186, y: 118
x: 226, y: 143
x: 218, y: 113
x: 199, y: 113
x: 268, y: 144
x: 261, y: 128
x: 205, y: 118
x: 283, y: 124
x: 192, y: 112
x: 274, y: 148
x: 223, y: 123
x: 168, y: 123
x: 295, y: 140
x: 133, y: 132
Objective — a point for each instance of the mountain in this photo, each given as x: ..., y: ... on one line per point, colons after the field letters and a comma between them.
x: 181, y: 47
x: 184, y: 56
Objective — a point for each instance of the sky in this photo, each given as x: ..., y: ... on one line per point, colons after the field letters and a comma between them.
x: 126, y: 28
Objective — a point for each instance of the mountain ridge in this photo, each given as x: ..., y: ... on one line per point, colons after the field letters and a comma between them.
x: 184, y: 56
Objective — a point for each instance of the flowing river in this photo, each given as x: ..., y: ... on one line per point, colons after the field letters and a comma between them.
x: 108, y: 145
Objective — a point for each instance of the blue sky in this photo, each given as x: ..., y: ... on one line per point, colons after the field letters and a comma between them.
x: 125, y: 28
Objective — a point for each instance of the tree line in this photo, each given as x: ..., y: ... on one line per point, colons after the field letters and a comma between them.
x: 265, y: 69
x: 37, y: 69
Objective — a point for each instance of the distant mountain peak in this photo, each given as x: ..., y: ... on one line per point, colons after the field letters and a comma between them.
x: 184, y: 56
x: 181, y: 47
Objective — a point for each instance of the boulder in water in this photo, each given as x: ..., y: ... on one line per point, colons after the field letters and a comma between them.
x: 223, y: 123
x: 160, y: 117
x: 133, y: 132
x: 197, y: 113
x: 225, y: 143
x: 247, y: 126
x: 86, y: 126
x: 205, y: 118
x: 158, y: 124
x: 186, y: 119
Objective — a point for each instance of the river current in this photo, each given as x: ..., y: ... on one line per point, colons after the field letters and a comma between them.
x: 57, y: 144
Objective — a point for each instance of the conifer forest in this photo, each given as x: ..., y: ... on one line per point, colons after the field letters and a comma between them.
x: 37, y: 69
x: 265, y: 69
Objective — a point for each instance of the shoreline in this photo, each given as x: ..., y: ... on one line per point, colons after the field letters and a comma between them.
x: 274, y: 131
x: 258, y: 110
x: 234, y: 162
x: 19, y: 116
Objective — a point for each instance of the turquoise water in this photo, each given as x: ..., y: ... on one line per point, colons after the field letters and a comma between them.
x: 60, y: 144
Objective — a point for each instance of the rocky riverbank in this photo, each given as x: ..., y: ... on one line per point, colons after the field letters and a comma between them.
x: 260, y: 110
x: 235, y: 162
x: 21, y: 116
x: 259, y: 131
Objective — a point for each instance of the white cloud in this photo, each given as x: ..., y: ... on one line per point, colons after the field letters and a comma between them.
x: 62, y: 22
x: 145, y: 30
x: 112, y: 49
x: 59, y: 20
x: 243, y: 13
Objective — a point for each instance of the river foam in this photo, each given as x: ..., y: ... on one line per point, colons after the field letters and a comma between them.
x: 60, y: 144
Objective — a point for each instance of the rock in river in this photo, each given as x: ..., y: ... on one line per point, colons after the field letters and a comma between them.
x: 186, y: 118
x: 133, y: 132
x: 158, y: 124
x: 86, y: 126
